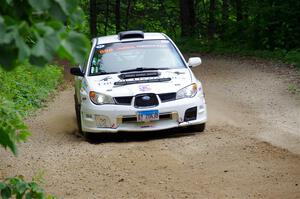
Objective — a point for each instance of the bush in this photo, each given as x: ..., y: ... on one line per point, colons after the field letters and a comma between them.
x: 18, y: 188
x: 293, y: 57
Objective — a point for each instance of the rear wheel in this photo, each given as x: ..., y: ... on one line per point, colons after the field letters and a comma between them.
x: 198, y: 127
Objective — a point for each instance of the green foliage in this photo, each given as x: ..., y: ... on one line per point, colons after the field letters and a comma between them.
x: 18, y: 188
x: 293, y: 57
x: 12, y: 127
x: 263, y: 26
x: 294, y: 89
x: 27, y: 86
x: 35, y: 30
x: 230, y: 48
x: 23, y: 90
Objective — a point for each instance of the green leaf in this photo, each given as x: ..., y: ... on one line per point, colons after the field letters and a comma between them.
x: 28, y: 195
x: 7, y: 33
x: 2, y: 186
x: 6, y: 140
x: 68, y: 6
x: 57, y: 13
x: 37, y: 60
x: 76, y: 45
x: 2, y: 27
x: 8, y: 56
x: 77, y: 16
x: 39, y: 5
x: 40, y: 50
x: 23, y: 48
x: 36, y: 188
x: 21, y: 187
x: 56, y: 25
x: 6, y: 193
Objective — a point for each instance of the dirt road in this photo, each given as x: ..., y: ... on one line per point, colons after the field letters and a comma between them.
x: 251, y: 148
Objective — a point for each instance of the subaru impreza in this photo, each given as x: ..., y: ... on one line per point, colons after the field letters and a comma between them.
x: 137, y: 81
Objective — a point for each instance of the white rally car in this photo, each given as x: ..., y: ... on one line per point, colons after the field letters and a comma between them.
x: 137, y: 81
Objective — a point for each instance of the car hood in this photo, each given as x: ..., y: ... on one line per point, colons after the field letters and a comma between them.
x: 171, y: 81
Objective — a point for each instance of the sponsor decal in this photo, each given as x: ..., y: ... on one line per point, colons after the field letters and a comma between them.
x: 144, y: 88
x: 108, y: 50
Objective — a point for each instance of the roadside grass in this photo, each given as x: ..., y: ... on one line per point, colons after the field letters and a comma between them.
x: 27, y: 86
x: 294, y: 89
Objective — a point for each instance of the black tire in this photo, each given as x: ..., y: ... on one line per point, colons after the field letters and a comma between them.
x: 86, y: 135
x: 198, y: 127
x: 78, y: 115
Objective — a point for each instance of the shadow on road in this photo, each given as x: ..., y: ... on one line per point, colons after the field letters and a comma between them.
x: 138, y: 136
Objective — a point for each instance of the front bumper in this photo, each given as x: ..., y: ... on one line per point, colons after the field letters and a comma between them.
x: 115, y: 118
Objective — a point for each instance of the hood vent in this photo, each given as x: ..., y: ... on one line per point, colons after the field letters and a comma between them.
x: 124, y: 82
x: 138, y: 75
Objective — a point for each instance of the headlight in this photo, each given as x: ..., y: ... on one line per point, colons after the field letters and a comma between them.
x: 187, y: 92
x: 99, y: 98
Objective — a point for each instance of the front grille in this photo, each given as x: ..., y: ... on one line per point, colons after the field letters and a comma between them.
x: 165, y: 97
x: 123, y: 100
x: 190, y: 114
x: 145, y: 100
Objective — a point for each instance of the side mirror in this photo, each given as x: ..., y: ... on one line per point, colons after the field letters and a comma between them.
x: 194, y: 61
x: 76, y: 71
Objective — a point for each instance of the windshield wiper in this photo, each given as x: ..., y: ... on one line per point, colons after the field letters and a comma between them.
x: 103, y: 73
x: 142, y: 69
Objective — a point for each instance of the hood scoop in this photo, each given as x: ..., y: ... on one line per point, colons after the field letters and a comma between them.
x: 140, y: 81
x: 138, y: 75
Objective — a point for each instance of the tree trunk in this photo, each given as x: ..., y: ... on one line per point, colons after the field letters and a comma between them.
x: 239, y: 10
x: 225, y: 7
x: 93, y: 18
x: 118, y: 17
x: 127, y: 14
x: 187, y: 16
x: 106, y: 17
x: 212, y: 21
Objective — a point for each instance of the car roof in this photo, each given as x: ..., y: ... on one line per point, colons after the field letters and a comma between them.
x: 115, y: 38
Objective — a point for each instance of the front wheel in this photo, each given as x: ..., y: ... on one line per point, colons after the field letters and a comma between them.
x: 78, y: 116
x: 198, y: 127
x: 86, y: 135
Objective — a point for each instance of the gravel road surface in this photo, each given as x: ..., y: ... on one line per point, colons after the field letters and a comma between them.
x: 250, y: 149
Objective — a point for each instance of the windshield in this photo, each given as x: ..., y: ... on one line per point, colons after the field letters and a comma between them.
x: 116, y: 57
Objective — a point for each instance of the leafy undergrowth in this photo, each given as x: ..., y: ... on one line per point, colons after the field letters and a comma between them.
x: 23, y: 90
x: 28, y: 86
x: 196, y: 45
x: 18, y: 188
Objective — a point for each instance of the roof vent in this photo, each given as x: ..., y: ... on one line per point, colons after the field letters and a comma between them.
x: 131, y: 34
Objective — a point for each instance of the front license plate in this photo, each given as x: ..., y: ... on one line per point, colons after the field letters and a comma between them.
x: 146, y: 116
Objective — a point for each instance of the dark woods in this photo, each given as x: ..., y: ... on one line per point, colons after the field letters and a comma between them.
x: 257, y: 24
